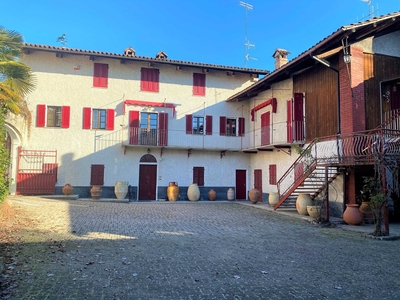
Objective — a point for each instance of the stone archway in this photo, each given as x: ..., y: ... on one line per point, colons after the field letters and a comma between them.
x: 13, y: 142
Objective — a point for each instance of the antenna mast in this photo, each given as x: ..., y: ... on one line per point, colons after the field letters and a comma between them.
x: 247, y: 43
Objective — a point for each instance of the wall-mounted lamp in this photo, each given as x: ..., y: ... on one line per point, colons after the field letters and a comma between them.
x: 347, y: 58
x: 148, y: 150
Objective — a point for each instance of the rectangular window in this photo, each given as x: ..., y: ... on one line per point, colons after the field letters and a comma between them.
x: 52, y: 116
x: 148, y: 129
x: 99, y: 119
x: 199, y: 84
x: 198, y: 175
x: 230, y: 127
x: 198, y: 125
x: 272, y: 174
x: 100, y: 76
x: 149, y: 80
x: 97, y: 175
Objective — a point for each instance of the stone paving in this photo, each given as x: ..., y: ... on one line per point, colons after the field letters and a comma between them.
x: 185, y: 250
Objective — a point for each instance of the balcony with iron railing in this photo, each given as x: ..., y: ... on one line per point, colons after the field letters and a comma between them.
x: 266, y: 137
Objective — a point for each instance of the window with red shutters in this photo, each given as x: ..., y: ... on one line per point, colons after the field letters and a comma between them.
x: 53, y: 116
x: 198, y: 175
x: 199, y: 84
x: 98, y: 118
x: 272, y: 174
x: 149, y: 80
x: 100, y: 76
x: 97, y: 175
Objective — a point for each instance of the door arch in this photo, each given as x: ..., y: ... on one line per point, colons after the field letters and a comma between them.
x: 147, y: 178
x: 14, y: 141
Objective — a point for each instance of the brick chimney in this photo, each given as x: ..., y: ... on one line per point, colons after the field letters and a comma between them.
x: 280, y: 56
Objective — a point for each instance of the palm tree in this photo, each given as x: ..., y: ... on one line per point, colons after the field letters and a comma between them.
x: 16, y: 79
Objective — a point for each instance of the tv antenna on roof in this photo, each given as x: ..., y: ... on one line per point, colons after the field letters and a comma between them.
x: 371, y: 11
x: 247, y: 43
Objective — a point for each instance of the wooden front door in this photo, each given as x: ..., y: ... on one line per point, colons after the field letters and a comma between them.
x: 241, y: 184
x: 147, y: 182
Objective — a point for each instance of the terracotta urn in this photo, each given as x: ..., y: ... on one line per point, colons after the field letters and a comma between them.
x: 212, y: 195
x: 193, y: 192
x: 273, y: 199
x: 121, y: 189
x: 230, y: 194
x: 254, y: 195
x: 96, y: 191
x: 314, y: 211
x: 365, y: 209
x: 303, y: 200
x: 173, y: 191
x: 67, y: 189
x: 352, y: 215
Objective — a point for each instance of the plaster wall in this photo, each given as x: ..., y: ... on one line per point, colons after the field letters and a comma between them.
x: 59, y: 84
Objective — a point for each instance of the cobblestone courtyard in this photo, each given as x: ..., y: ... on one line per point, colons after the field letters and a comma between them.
x: 184, y: 250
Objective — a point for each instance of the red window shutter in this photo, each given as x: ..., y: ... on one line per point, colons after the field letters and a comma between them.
x: 241, y: 126
x: 265, y: 128
x: 133, y: 127
x: 97, y: 175
x: 208, y: 125
x: 41, y: 115
x: 258, y: 181
x: 289, y: 128
x: 87, y: 112
x: 222, y: 125
x: 163, y: 129
x: 149, y: 80
x: 298, y: 117
x: 272, y: 174
x: 199, y: 84
x: 100, y: 77
x: 65, y: 116
x: 110, y: 119
x: 189, y: 124
x: 198, y: 176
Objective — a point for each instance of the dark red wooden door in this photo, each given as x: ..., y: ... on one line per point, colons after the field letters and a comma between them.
x: 147, y: 182
x: 258, y: 181
x: 265, y: 128
x: 241, y: 184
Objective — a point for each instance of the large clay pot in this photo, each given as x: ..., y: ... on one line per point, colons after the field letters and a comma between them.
x: 254, y: 195
x: 314, y: 212
x: 352, y: 215
x: 230, y: 194
x: 301, y: 203
x: 368, y: 215
x: 121, y: 189
x: 67, y: 189
x: 212, y: 195
x: 273, y: 199
x: 95, y: 191
x: 193, y: 192
x: 173, y: 191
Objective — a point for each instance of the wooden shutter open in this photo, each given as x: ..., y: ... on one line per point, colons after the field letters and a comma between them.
x: 222, y: 125
x: 41, y: 115
x: 189, y: 124
x: 65, y: 116
x: 133, y: 127
x: 163, y: 129
x: 241, y: 127
x: 87, y: 114
x: 110, y: 119
x: 208, y: 125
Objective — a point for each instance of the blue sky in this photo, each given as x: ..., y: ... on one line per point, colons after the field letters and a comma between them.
x: 207, y: 31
